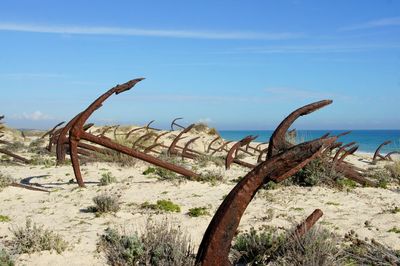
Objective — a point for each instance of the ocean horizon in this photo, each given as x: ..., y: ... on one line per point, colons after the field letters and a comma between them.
x: 368, y: 140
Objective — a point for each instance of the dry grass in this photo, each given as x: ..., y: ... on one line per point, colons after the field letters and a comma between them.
x: 34, y: 238
x: 158, y: 244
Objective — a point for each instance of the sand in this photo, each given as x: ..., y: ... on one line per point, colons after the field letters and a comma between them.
x: 363, y: 210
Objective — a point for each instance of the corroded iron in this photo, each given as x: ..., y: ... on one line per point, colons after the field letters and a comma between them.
x: 185, y: 152
x: 209, y: 147
x: 76, y: 133
x: 51, y: 131
x: 341, y: 149
x: 173, y: 123
x: 377, y: 152
x: 216, y: 243
x: 172, y: 147
x: 278, y: 140
x: 306, y: 225
x: 348, y: 152
x: 233, y: 150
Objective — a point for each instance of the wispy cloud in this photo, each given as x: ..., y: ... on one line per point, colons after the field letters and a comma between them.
x: 384, y: 22
x: 124, y: 31
x: 314, y: 49
x: 31, y: 75
x: 296, y: 93
x: 35, y: 116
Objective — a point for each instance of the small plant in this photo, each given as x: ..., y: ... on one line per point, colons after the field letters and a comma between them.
x: 5, y: 181
x: 394, y: 230
x: 5, y: 258
x: 394, y: 169
x: 198, y: 211
x: 381, y: 176
x: 162, y: 205
x: 161, y: 173
x: 204, y: 160
x: 255, y: 247
x: 346, y: 183
x: 212, y: 131
x: 4, y: 219
x: 107, y: 178
x: 394, y: 210
x: 213, y: 177
x: 367, y: 252
x: 105, y: 203
x: 33, y: 238
x: 201, y: 127
x: 159, y: 244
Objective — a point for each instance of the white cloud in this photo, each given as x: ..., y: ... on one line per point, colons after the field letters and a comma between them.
x: 315, y: 49
x: 384, y: 22
x: 35, y: 116
x: 205, y: 120
x: 193, y: 34
x: 290, y: 92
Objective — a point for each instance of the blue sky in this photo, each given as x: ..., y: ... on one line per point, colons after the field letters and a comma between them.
x: 233, y: 64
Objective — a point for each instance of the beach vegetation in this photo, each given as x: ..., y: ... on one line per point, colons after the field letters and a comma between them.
x: 5, y: 258
x: 4, y: 218
x: 34, y: 238
x: 198, y: 211
x: 161, y: 205
x: 5, y: 181
x: 158, y: 244
x: 394, y: 169
x: 105, y: 204
x: 107, y: 178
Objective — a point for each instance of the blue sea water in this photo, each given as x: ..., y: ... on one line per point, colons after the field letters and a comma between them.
x: 368, y: 140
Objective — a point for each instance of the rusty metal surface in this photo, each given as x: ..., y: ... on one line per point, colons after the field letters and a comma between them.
x: 306, y: 225
x: 233, y: 150
x: 347, y: 153
x: 209, y: 147
x: 377, y: 152
x: 76, y: 133
x: 278, y: 141
x: 186, y: 147
x: 341, y: 149
x: 172, y: 147
x: 15, y: 156
x: 52, y: 130
x: 216, y: 243
x: 173, y: 123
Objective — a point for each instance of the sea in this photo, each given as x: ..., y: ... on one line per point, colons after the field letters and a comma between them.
x: 368, y: 140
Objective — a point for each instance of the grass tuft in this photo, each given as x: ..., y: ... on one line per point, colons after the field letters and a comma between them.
x: 159, y: 244
x: 198, y: 211
x: 105, y: 204
x: 34, y: 238
x: 162, y: 205
x: 107, y: 178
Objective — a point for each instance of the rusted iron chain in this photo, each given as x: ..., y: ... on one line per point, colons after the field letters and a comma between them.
x: 215, y: 246
x: 278, y: 140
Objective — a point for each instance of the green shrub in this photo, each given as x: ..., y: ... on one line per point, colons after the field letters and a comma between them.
x: 382, y: 177
x: 198, y: 211
x: 33, y: 238
x: 15, y: 146
x: 5, y: 181
x: 159, y: 244
x: 317, y: 247
x: 394, y: 230
x: 255, y: 247
x: 161, y: 173
x: 5, y: 258
x: 212, y: 177
x: 107, y: 178
x: 162, y: 205
x: 4, y: 218
x: 204, y: 160
x: 105, y: 203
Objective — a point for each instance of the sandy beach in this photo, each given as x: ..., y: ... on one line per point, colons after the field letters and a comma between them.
x: 64, y: 209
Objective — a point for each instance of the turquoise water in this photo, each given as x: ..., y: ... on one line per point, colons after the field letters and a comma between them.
x: 368, y: 140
